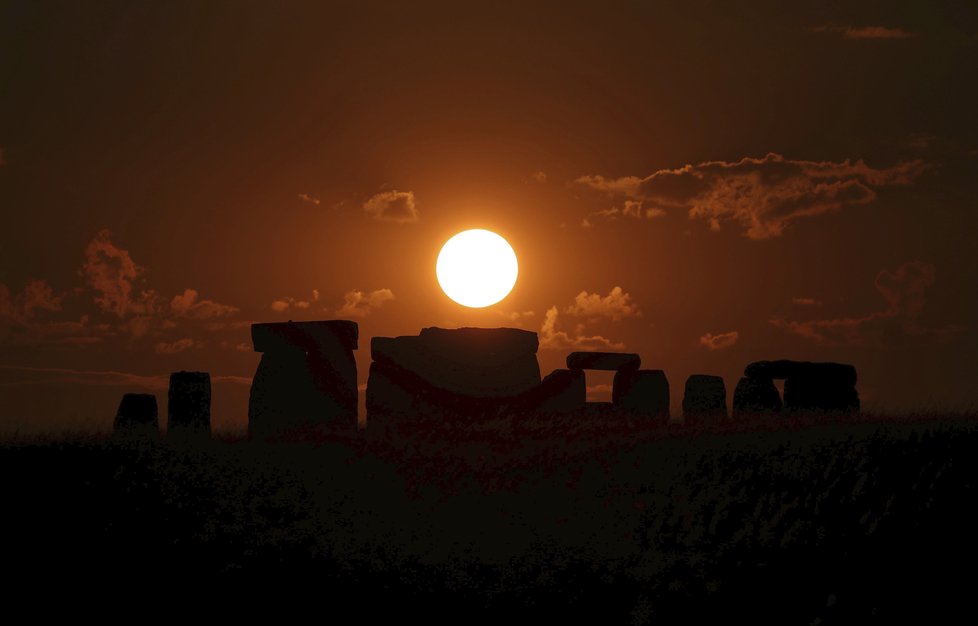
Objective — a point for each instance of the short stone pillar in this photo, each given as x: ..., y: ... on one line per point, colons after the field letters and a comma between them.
x: 755, y: 397
x: 642, y: 393
x: 137, y: 418
x: 704, y: 399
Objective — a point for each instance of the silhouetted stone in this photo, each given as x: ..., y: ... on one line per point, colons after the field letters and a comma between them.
x: 307, y: 375
x: 830, y: 373
x: 754, y: 396
x: 606, y: 361
x: 480, y: 362
x: 704, y: 399
x: 309, y: 336
x: 642, y: 392
x: 561, y: 391
x: 189, y: 406
x: 813, y: 394
x: 137, y: 417
x: 485, y: 346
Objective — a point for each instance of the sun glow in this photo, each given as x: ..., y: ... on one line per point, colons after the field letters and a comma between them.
x: 476, y: 268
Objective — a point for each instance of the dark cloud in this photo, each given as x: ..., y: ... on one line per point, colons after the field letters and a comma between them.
x: 865, y: 32
x: 392, y: 206
x: 805, y: 301
x: 762, y: 196
x: 904, y: 292
x: 175, y: 347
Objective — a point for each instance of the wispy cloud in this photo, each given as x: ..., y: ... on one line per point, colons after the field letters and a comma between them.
x: 865, y: 32
x: 108, y: 378
x: 805, y: 301
x: 616, y: 305
x: 762, y: 196
x: 175, y: 347
x: 188, y: 305
x: 553, y: 339
x: 393, y: 206
x: 308, y: 198
x: 357, y: 303
x: 284, y: 304
x: 719, y: 341
x: 904, y: 293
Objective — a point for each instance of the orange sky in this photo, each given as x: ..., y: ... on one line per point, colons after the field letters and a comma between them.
x: 703, y: 184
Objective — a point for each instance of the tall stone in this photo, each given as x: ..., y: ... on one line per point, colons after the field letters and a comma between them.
x: 815, y: 395
x: 137, y: 418
x: 463, y: 372
x: 307, y: 375
x: 811, y: 387
x: 704, y: 399
x: 189, y: 406
x: 755, y: 396
x: 642, y: 393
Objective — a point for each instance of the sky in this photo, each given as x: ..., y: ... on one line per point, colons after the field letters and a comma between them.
x: 701, y: 183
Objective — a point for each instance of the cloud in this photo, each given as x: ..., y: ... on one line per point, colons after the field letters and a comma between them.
x: 175, y: 347
x: 187, y: 305
x: 20, y: 324
x: 36, y: 295
x: 54, y: 375
x: 111, y: 272
x: 515, y: 316
x: 392, y: 206
x: 284, y: 304
x: 762, y: 196
x: 310, y: 199
x: 805, y: 301
x: 540, y: 177
x: 865, y: 32
x: 359, y: 304
x: 629, y: 208
x: 720, y: 340
x: 616, y: 305
x: 904, y: 293
x: 553, y: 339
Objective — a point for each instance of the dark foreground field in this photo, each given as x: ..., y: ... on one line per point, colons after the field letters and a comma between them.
x: 822, y: 522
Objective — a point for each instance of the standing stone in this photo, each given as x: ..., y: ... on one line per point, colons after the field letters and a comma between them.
x: 813, y: 394
x: 189, y: 406
x: 755, y: 396
x: 704, y: 399
x: 642, y: 392
x: 824, y: 387
x: 841, y: 374
x: 561, y: 392
x: 307, y: 375
x: 137, y: 418
x: 462, y: 372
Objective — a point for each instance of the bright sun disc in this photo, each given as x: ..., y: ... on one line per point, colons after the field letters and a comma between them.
x: 476, y: 268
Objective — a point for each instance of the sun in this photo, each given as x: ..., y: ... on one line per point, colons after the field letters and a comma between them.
x: 476, y: 268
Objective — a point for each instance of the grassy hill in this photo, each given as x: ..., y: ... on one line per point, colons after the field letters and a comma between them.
x: 816, y: 520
